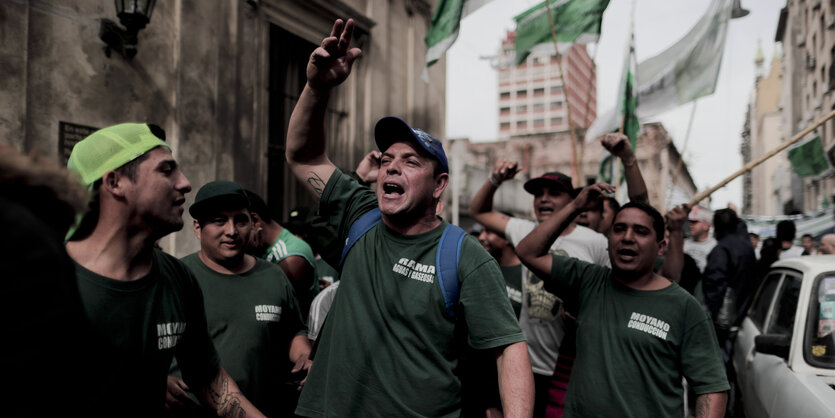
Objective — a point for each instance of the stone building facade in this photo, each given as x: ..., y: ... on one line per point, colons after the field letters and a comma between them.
x: 806, y: 31
x: 221, y: 77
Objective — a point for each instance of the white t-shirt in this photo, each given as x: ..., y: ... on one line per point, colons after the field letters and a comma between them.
x: 793, y: 251
x: 699, y: 250
x: 319, y: 308
x: 540, y: 318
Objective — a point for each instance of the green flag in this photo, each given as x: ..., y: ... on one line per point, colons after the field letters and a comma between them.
x: 574, y: 21
x: 808, y: 158
x: 443, y: 30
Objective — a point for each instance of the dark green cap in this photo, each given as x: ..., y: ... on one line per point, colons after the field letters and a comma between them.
x: 218, y: 195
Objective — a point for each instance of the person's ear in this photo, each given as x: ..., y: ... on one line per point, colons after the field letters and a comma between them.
x: 114, y: 183
x: 196, y: 227
x: 441, y: 182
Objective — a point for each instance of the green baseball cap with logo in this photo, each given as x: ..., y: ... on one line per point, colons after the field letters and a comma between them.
x: 112, y: 147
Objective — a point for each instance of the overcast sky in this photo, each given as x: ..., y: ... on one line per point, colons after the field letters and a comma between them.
x: 712, y: 152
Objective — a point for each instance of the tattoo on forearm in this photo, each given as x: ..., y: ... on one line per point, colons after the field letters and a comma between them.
x: 316, y: 183
x: 228, y: 403
x: 703, y: 406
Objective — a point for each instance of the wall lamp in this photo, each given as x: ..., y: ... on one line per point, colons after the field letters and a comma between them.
x: 133, y: 15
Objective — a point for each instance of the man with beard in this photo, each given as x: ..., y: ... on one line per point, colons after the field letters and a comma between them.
x: 640, y: 332
x: 252, y: 313
x: 392, y: 341
x: 144, y: 306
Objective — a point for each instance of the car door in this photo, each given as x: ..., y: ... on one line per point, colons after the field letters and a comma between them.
x: 750, y: 327
x: 769, y: 376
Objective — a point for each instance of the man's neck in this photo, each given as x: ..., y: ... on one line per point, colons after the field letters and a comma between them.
x: 115, y: 251
x: 648, y: 281
x: 403, y: 225
x: 238, y: 265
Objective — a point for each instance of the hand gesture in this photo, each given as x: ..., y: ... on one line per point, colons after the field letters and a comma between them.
x: 369, y: 167
x: 503, y: 170
x: 330, y: 63
x: 676, y: 216
x: 618, y: 145
x: 177, y: 394
x: 590, y: 196
x: 301, y: 367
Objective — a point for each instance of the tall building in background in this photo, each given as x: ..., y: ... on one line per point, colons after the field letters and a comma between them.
x: 532, y: 97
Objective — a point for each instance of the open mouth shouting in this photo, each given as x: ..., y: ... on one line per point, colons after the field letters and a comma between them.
x: 392, y: 190
x: 627, y: 255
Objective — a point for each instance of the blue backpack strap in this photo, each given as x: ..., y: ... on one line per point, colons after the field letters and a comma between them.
x: 446, y: 262
x: 358, y: 229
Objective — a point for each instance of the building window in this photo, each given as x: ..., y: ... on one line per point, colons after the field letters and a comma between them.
x: 557, y: 120
x: 556, y: 89
x: 556, y: 104
x: 539, y: 123
x: 539, y: 91
x: 505, y: 95
x: 520, y: 94
x: 538, y: 107
x: 522, y: 124
x: 504, y: 126
x: 522, y: 108
x: 504, y: 111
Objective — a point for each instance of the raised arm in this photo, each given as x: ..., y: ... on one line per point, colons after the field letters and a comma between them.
x: 674, y: 258
x: 329, y: 65
x: 618, y: 145
x: 533, y: 250
x: 481, y: 208
x: 515, y: 380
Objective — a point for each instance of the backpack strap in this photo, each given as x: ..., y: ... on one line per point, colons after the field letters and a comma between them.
x: 358, y: 229
x: 446, y: 262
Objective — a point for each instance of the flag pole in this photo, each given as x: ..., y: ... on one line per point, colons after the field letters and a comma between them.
x: 699, y: 197
x: 681, y: 153
x: 574, y: 168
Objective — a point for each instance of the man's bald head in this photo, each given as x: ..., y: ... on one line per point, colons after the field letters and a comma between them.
x: 828, y: 244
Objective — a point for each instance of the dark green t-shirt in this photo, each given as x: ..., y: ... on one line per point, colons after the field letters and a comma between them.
x: 387, y: 348
x: 513, y: 283
x: 252, y: 318
x: 138, y: 326
x: 633, y: 347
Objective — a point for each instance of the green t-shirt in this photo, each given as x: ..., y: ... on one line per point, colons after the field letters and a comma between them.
x: 387, y: 348
x: 252, y: 318
x: 633, y: 347
x: 288, y: 245
x: 513, y: 283
x: 138, y: 326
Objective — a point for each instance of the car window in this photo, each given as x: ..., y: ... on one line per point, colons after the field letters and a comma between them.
x: 819, y: 344
x: 761, y: 303
x: 785, y: 307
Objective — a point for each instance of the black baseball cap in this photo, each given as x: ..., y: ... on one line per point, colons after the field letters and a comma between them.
x: 553, y: 179
x: 216, y: 195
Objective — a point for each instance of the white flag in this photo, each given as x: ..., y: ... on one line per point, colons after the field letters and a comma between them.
x: 688, y: 69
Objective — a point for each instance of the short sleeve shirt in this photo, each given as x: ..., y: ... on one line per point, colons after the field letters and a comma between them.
x: 633, y: 347
x: 388, y: 348
x: 139, y: 326
x: 252, y: 319
x: 540, y: 316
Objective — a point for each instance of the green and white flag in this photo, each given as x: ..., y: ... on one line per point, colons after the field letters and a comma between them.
x: 808, y: 158
x: 443, y: 31
x: 627, y: 103
x: 688, y: 69
x: 574, y: 21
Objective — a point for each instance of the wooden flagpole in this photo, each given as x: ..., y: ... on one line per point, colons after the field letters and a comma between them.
x: 699, y: 197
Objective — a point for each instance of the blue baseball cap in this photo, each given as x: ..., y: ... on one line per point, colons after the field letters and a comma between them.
x: 391, y: 129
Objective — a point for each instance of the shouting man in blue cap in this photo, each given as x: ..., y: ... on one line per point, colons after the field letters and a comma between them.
x: 408, y: 302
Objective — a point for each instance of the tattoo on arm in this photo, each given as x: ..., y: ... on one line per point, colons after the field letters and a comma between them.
x: 316, y: 184
x: 228, y: 403
x: 703, y: 406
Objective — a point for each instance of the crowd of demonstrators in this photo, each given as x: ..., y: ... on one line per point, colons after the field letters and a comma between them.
x: 786, y: 231
x: 827, y: 245
x: 700, y: 242
x: 252, y: 313
x: 144, y: 307
x: 639, y: 332
x: 388, y: 347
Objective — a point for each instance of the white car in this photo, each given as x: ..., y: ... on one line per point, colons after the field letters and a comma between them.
x: 784, y: 351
